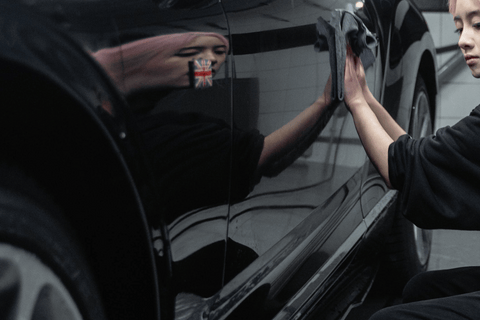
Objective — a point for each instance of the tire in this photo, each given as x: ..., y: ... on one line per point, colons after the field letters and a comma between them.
x: 42, y: 272
x: 408, y: 247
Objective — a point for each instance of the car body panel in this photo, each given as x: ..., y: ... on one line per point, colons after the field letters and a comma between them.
x: 284, y: 249
x: 61, y: 110
x: 298, y: 212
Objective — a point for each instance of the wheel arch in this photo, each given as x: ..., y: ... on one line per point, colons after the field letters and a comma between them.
x: 59, y: 141
x: 426, y: 69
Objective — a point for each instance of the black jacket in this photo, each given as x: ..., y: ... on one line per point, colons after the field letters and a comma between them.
x: 439, y: 176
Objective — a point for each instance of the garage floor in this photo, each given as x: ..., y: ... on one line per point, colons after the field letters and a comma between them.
x: 453, y: 248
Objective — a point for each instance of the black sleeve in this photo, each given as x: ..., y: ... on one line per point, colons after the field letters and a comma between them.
x: 247, y: 148
x: 191, y: 155
x: 439, y: 176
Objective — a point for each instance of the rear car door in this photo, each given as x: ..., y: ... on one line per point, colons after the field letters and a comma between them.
x: 186, y: 133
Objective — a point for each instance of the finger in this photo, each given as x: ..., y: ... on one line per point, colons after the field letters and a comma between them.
x: 360, y: 63
x: 349, y: 63
x: 348, y: 58
x: 350, y: 74
x: 358, y: 66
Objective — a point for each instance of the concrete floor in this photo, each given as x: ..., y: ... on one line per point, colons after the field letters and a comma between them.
x: 451, y: 249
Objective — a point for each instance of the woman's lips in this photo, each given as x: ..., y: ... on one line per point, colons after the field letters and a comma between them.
x: 471, y: 60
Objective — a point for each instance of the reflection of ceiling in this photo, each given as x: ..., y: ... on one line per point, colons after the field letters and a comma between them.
x: 96, y: 16
x: 279, y: 14
x: 144, y: 17
x: 149, y: 14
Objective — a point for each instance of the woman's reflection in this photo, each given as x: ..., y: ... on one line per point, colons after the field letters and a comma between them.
x: 191, y: 152
x: 161, y: 62
x: 194, y: 156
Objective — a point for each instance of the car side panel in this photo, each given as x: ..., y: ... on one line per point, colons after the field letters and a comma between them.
x: 408, y: 51
x: 305, y: 221
x: 62, y: 123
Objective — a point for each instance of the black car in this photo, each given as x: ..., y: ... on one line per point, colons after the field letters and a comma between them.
x: 120, y: 199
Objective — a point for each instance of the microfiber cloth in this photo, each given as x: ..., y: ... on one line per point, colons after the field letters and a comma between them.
x: 344, y: 26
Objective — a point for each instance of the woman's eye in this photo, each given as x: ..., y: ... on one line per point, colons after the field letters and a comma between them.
x: 220, y: 52
x: 476, y: 25
x: 459, y: 31
x: 186, y: 53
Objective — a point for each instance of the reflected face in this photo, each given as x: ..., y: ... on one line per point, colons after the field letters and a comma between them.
x: 467, y: 22
x: 203, y: 47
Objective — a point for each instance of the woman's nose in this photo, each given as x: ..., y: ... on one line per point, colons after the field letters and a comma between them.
x: 465, y: 41
x: 210, y: 55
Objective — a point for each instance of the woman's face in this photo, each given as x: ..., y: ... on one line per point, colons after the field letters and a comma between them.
x: 467, y: 22
x: 176, y: 73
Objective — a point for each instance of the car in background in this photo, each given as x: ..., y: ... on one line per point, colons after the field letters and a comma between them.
x: 91, y: 227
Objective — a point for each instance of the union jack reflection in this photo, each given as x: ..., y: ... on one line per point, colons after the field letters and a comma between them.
x: 202, y: 72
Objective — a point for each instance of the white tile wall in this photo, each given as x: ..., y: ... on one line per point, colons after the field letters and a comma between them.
x: 456, y: 98
x: 459, y: 94
x: 290, y: 80
x: 443, y: 32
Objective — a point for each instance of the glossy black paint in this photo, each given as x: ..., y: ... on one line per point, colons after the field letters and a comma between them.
x: 287, y: 250
x: 66, y: 125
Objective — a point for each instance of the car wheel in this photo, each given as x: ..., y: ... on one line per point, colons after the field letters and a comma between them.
x: 408, y: 245
x: 42, y: 272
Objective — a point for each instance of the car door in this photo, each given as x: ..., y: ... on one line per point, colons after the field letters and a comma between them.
x: 186, y: 132
x: 219, y: 253
x: 300, y: 224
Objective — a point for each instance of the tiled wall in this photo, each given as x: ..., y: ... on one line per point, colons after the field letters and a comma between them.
x: 459, y: 93
x: 290, y: 80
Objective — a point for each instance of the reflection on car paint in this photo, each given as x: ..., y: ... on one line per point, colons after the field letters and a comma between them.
x: 279, y: 244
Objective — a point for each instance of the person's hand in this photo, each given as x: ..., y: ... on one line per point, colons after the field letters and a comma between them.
x: 326, y: 98
x: 327, y: 92
x: 354, y: 77
x: 360, y: 71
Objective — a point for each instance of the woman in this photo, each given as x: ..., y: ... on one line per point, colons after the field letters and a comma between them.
x: 437, y: 176
x: 191, y: 152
